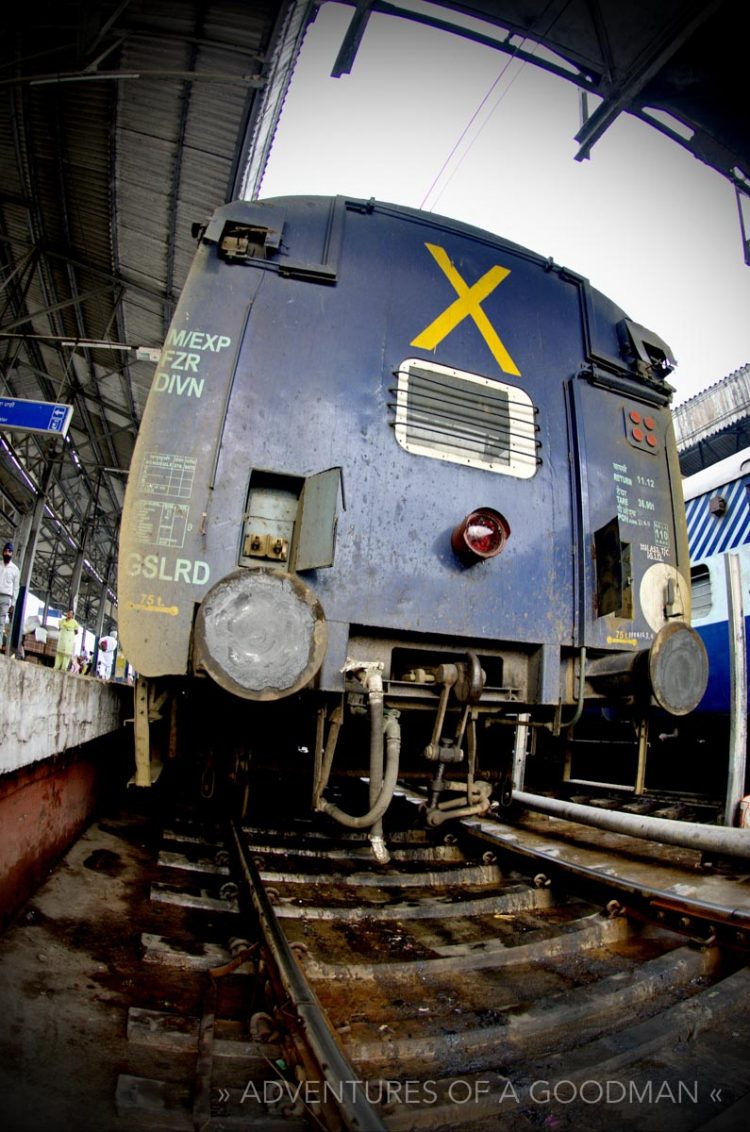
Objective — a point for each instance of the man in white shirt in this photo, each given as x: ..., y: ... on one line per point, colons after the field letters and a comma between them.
x: 10, y: 578
x: 107, y: 649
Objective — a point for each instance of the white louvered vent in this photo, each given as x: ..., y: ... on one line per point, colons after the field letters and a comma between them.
x: 465, y: 419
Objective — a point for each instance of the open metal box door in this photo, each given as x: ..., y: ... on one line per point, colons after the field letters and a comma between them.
x: 315, y: 529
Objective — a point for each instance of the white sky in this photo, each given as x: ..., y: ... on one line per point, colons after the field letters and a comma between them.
x: 647, y: 224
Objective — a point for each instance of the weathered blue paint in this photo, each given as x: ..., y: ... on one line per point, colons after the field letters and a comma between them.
x: 311, y: 338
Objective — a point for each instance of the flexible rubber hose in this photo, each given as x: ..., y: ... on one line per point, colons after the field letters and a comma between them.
x: 392, y: 756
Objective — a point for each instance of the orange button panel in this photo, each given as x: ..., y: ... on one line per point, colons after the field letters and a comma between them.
x: 641, y: 430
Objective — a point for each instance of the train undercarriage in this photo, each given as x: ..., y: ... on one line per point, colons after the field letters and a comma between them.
x: 446, y: 722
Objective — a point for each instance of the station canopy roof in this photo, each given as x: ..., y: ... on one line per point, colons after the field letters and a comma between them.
x: 124, y: 122
x: 715, y: 423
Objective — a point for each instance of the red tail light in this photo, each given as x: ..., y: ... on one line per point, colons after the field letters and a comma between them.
x: 482, y: 534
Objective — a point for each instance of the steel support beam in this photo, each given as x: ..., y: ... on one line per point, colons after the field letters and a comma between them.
x: 349, y: 48
x: 661, y: 50
x: 27, y: 566
x: 738, y: 689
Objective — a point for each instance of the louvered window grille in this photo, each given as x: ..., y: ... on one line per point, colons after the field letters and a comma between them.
x: 465, y: 419
x: 700, y: 580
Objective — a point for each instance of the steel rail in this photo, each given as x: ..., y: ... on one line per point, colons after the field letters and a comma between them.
x: 728, y: 916
x: 650, y: 889
x: 346, y: 1089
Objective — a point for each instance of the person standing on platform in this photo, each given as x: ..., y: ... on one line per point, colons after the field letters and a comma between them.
x: 10, y: 577
x: 107, y: 651
x: 66, y: 641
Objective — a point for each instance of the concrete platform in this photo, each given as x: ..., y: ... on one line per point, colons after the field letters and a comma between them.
x: 43, y: 712
x: 67, y: 969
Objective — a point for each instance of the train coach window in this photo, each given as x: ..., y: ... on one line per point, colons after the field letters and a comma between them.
x: 465, y: 419
x: 700, y: 580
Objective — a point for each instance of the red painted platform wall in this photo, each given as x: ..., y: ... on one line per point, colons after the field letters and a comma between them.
x: 43, y: 809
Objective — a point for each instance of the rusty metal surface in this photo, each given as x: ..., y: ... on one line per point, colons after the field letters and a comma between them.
x: 451, y: 1019
x: 658, y: 872
x: 471, y: 983
x: 673, y: 876
x: 334, y: 1067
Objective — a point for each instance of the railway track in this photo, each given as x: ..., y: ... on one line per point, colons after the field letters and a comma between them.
x: 494, y: 976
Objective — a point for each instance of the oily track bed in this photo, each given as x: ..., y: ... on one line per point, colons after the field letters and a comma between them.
x: 469, y: 992
x: 198, y: 1032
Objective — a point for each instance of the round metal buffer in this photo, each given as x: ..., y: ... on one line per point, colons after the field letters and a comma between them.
x: 678, y: 667
x: 260, y: 634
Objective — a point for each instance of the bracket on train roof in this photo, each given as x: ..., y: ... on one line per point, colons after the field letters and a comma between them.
x: 622, y: 382
x: 651, y: 355
x: 250, y: 234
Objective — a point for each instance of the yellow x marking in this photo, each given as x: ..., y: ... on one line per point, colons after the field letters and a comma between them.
x: 468, y: 304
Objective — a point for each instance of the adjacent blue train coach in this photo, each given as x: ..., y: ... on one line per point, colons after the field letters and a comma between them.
x: 717, y: 505
x: 394, y: 460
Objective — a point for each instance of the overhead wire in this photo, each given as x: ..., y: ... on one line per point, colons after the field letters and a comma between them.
x: 483, y: 102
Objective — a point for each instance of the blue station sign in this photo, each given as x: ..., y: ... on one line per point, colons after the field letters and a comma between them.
x: 34, y: 416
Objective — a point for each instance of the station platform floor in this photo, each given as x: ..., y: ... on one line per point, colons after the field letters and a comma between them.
x: 68, y: 962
